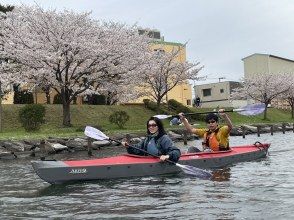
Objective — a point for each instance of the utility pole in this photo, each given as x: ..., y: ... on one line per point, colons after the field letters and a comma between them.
x: 220, y: 78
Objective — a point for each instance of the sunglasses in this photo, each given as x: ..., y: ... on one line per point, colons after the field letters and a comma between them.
x: 152, y: 125
x: 211, y: 122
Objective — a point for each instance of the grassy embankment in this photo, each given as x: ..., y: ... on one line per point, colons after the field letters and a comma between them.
x: 97, y: 115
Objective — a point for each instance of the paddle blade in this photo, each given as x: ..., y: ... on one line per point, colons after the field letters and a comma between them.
x: 175, y: 121
x: 95, y: 133
x: 254, y: 109
x: 194, y: 171
x: 161, y: 117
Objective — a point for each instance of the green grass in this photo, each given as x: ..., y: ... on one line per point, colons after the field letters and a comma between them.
x: 81, y: 115
x: 97, y: 115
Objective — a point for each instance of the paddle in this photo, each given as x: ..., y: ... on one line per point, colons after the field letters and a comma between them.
x: 247, y: 110
x: 194, y: 171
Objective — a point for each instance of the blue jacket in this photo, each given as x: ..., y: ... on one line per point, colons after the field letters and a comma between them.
x: 164, y: 144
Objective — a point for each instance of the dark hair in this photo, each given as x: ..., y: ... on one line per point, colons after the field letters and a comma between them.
x: 159, y: 123
x: 211, y: 116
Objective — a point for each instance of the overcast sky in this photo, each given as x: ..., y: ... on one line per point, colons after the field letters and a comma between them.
x: 219, y: 32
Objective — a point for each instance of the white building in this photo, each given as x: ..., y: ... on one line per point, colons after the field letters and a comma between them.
x: 266, y: 63
x: 218, y: 94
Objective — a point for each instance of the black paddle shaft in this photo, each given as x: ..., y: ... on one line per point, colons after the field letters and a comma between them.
x: 201, y: 113
x: 144, y: 151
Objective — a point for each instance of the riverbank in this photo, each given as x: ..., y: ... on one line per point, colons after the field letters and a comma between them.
x: 42, y: 148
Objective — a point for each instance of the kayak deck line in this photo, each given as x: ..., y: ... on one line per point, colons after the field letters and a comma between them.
x: 117, y: 160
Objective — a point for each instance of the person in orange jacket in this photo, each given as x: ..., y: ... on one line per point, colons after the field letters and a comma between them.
x: 215, y: 137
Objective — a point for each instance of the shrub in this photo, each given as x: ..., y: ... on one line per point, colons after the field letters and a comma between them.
x: 179, y: 107
x: 23, y: 97
x: 146, y: 102
x: 32, y: 116
x: 119, y: 118
x: 95, y: 99
x: 57, y: 99
x: 153, y: 106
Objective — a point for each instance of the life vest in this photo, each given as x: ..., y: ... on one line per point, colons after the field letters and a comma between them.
x: 152, y: 146
x: 211, y: 141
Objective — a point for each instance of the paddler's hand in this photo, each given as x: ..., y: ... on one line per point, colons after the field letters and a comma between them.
x: 221, y: 112
x: 164, y: 157
x: 182, y: 116
x: 125, y: 144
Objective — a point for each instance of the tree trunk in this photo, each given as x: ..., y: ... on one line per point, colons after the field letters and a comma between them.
x: 158, y: 106
x: 66, y: 114
x: 265, y: 112
x: 66, y: 107
x: 36, y: 97
x: 48, y: 101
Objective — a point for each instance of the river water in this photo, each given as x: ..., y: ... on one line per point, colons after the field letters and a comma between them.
x: 261, y: 189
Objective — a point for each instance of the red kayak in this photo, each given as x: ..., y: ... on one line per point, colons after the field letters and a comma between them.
x: 123, y: 166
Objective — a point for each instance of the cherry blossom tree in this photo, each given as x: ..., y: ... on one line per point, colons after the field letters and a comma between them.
x: 71, y: 52
x: 121, y: 92
x: 262, y: 88
x: 7, y: 78
x: 3, y: 73
x: 3, y: 90
x: 163, y: 72
x: 289, y: 94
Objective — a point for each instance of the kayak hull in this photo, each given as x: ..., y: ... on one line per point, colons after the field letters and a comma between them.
x: 124, y: 166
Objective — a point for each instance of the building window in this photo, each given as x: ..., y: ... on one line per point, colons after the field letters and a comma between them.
x: 206, y: 92
x: 221, y: 90
x: 159, y: 50
x: 151, y: 33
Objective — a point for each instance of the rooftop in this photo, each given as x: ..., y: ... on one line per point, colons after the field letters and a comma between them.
x: 270, y: 55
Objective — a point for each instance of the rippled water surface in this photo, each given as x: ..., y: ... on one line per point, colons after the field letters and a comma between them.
x: 261, y: 189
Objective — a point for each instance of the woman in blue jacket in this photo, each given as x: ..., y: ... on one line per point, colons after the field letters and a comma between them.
x: 157, y: 143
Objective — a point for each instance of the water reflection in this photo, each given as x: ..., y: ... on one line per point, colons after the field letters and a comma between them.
x: 221, y: 175
x: 57, y: 190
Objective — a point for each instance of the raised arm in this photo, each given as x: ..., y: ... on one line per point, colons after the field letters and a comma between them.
x: 226, y: 118
x: 186, y: 123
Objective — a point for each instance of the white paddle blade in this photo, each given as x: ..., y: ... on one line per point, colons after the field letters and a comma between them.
x: 175, y: 121
x: 95, y: 133
x: 194, y: 171
x: 161, y: 117
x: 254, y: 109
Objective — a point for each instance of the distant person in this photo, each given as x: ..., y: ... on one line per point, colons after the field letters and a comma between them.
x: 157, y: 143
x: 197, y: 101
x: 215, y: 137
